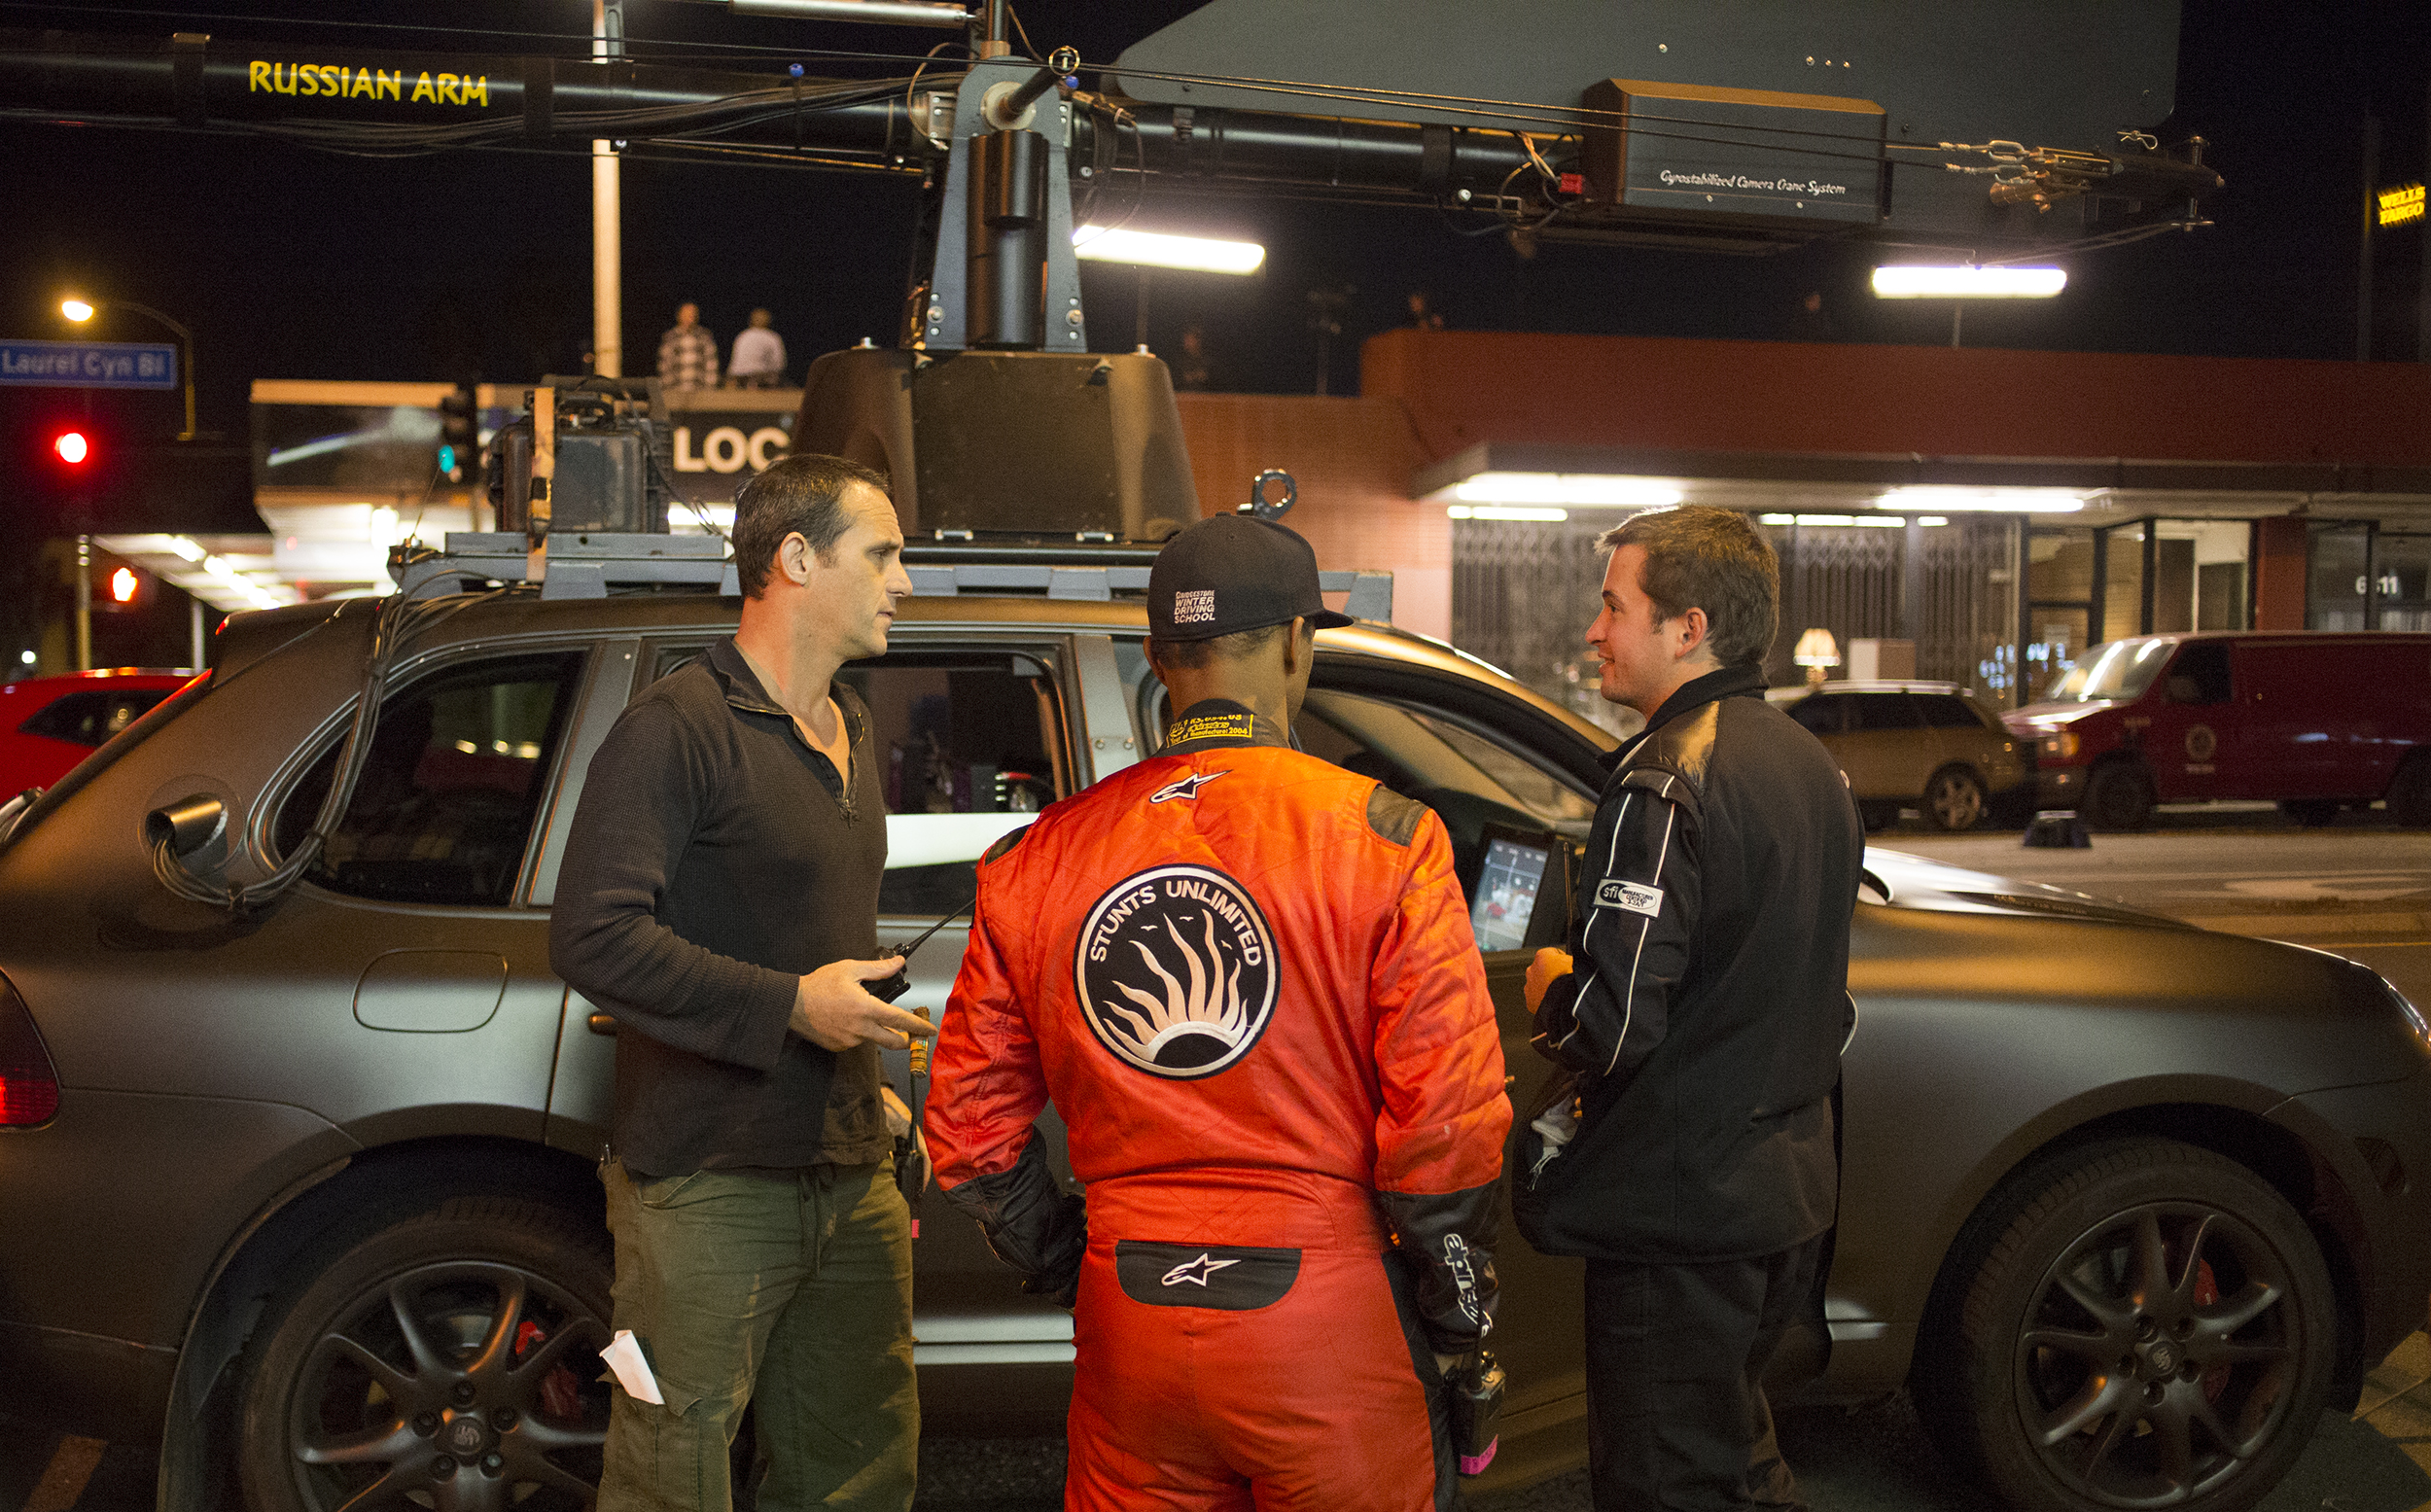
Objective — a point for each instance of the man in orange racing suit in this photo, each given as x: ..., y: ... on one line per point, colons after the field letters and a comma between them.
x: 1246, y: 979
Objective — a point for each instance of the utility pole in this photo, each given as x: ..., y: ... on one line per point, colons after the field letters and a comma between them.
x: 84, y: 603
x: 607, y: 212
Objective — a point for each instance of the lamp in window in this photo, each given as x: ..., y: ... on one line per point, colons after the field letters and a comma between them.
x: 1815, y: 651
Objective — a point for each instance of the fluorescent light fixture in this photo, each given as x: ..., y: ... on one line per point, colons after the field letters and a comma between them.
x: 1997, y: 501
x: 1506, y: 512
x: 1967, y: 281
x: 1592, y: 490
x: 1157, y: 249
x: 1877, y: 521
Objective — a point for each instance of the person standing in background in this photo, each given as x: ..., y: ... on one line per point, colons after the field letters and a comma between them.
x: 688, y: 354
x: 1699, y: 1016
x: 759, y: 358
x: 719, y: 898
x: 1286, y: 1259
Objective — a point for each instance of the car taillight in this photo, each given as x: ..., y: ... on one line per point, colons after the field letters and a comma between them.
x: 2059, y: 747
x: 29, y: 1085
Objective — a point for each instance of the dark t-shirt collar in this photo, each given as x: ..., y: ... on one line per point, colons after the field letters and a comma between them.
x: 1719, y: 683
x: 1214, y: 723
x: 744, y: 690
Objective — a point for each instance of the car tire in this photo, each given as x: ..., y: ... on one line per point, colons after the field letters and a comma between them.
x: 2309, y: 813
x: 2118, y: 796
x: 2133, y: 1323
x: 2410, y: 792
x: 449, y: 1358
x: 1954, y: 800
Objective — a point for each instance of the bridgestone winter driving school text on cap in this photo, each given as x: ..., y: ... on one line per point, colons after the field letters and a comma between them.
x: 1234, y: 573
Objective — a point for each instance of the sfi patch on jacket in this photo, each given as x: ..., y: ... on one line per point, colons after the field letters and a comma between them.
x: 1175, y: 972
x: 1631, y: 895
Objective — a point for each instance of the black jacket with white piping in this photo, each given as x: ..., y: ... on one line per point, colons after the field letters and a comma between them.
x: 1705, y: 1011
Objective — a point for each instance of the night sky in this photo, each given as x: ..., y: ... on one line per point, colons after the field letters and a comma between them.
x: 288, y: 262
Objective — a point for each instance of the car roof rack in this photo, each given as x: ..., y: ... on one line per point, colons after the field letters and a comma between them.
x: 589, y: 564
x: 580, y: 564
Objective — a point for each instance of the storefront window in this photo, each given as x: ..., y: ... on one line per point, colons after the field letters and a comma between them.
x: 2339, y: 577
x: 2058, y: 642
x: 2402, y: 564
x: 2199, y: 576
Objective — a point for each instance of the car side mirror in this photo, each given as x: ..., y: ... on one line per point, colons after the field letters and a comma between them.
x: 2184, y: 689
x: 193, y: 830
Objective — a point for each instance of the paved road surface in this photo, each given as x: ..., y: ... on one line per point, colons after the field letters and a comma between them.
x: 2356, y: 888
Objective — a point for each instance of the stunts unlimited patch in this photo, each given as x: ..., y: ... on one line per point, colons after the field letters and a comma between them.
x: 1175, y: 972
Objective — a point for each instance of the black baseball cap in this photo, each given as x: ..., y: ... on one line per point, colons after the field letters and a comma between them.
x: 1234, y: 573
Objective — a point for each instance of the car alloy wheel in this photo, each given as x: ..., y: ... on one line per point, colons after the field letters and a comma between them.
x: 447, y: 1363
x: 1954, y: 800
x: 2153, y: 1328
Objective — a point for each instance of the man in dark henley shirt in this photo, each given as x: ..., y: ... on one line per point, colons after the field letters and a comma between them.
x: 719, y: 898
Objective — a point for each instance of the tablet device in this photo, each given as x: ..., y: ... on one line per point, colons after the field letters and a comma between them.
x: 1522, y: 896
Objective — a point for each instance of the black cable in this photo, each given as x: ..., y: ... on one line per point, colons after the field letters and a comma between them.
x: 397, y: 622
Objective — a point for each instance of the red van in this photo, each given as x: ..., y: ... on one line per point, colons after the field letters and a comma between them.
x: 2314, y: 721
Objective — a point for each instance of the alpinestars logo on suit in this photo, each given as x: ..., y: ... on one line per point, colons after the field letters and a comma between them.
x: 1175, y: 972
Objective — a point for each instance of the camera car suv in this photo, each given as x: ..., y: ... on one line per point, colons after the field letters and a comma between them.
x: 297, y: 1132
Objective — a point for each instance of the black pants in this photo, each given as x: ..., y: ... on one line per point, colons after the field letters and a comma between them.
x: 1675, y: 1354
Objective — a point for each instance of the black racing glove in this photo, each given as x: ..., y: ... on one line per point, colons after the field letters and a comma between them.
x: 1032, y: 1223
x: 1449, y: 1238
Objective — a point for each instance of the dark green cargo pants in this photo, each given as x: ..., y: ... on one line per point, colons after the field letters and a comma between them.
x: 792, y: 1295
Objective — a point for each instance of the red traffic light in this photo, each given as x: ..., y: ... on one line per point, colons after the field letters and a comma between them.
x: 124, y: 585
x: 72, y: 448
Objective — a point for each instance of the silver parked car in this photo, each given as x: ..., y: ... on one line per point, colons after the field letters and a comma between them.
x: 303, y: 1188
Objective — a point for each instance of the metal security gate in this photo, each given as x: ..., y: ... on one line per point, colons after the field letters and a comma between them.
x: 1524, y: 592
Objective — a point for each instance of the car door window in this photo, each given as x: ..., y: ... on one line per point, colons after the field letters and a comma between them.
x: 1447, y: 765
x: 1947, y: 712
x: 90, y: 719
x: 973, y: 746
x: 443, y: 812
x: 2200, y: 675
x: 1878, y: 712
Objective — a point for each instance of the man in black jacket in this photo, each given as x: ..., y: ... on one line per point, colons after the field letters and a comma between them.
x: 719, y: 898
x: 1699, y: 1016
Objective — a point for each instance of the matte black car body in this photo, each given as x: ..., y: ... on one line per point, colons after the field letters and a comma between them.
x: 229, y: 1112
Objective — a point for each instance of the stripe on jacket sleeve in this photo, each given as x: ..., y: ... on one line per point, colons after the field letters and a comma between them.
x: 1595, y: 916
x: 1645, y: 926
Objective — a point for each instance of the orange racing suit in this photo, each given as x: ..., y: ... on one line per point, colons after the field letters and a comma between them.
x: 1246, y: 978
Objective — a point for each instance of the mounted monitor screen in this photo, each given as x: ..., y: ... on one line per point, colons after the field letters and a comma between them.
x: 1505, y: 901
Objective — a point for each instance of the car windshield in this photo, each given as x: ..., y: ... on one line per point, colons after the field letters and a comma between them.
x: 2119, y: 670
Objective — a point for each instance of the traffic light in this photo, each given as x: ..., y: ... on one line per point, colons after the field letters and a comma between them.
x: 459, y: 435
x: 72, y: 448
x: 125, y: 589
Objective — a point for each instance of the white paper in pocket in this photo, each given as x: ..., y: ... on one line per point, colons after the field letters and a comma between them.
x: 623, y: 1357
